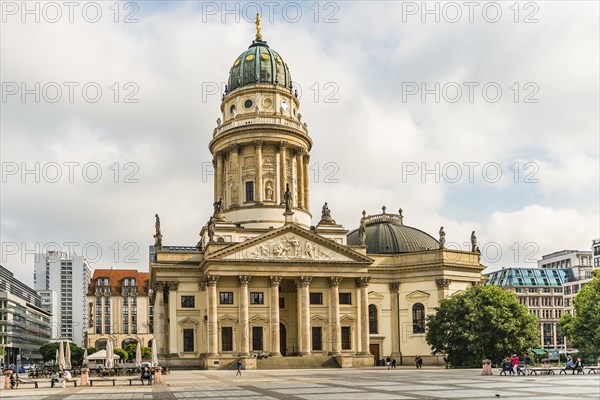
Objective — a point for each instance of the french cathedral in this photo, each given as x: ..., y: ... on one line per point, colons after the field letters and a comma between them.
x: 266, y: 286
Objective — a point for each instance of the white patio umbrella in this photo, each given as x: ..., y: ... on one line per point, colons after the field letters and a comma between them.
x: 109, y: 363
x: 56, y: 358
x: 154, y: 360
x: 61, y: 356
x: 85, y: 357
x: 138, y: 355
x: 68, y: 356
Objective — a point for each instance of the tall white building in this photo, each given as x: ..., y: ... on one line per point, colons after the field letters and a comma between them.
x: 51, y: 305
x: 68, y: 275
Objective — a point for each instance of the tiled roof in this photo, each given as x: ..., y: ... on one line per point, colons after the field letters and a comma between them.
x: 116, y: 277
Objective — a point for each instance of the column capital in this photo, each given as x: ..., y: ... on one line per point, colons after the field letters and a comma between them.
x: 159, y: 286
x: 282, y: 145
x: 258, y: 144
x: 152, y: 298
x: 304, y: 281
x: 275, y: 280
x: 298, y: 151
x: 394, y: 287
x: 443, y: 283
x: 363, y: 281
x: 306, y: 159
x: 219, y: 154
x: 172, y: 286
x: 212, y: 280
x: 202, y: 284
x: 244, y: 279
x: 234, y: 148
x: 334, y: 281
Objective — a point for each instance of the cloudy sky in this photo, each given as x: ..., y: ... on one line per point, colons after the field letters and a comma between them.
x: 476, y: 117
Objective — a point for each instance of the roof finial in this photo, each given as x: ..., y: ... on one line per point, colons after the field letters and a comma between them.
x: 258, y: 35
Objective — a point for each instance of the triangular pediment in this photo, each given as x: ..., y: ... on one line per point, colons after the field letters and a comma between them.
x: 417, y: 294
x: 290, y: 244
x: 227, y: 318
x: 258, y: 320
x: 188, y: 321
x: 347, y: 318
x: 376, y: 296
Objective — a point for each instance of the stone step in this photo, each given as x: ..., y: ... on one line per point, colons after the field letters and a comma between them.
x: 304, y: 362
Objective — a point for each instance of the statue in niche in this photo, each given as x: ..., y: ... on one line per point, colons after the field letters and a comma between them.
x: 287, y: 197
x: 442, y: 238
x: 269, y: 191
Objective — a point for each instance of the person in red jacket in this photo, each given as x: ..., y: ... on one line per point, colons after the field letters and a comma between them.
x: 515, y: 364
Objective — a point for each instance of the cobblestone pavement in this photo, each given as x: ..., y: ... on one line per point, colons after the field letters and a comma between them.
x: 329, y: 384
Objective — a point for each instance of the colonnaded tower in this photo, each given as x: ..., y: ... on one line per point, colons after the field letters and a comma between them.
x: 260, y: 146
x: 263, y: 280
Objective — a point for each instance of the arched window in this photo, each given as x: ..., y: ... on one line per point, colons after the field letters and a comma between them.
x: 372, y: 319
x: 418, y: 314
x: 100, y: 344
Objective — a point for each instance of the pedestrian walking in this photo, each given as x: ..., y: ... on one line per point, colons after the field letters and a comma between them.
x: 388, y: 362
x: 239, y: 367
x: 515, y: 364
x: 527, y: 364
x: 393, y: 363
x: 419, y: 362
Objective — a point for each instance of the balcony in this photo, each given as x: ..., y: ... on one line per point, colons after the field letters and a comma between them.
x: 260, y: 120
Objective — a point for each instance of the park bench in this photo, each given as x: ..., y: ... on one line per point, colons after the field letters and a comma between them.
x: 593, y: 370
x: 92, y: 380
x: 139, y: 379
x: 548, y: 371
x: 571, y: 370
x: 28, y: 382
x: 61, y: 380
x: 507, y: 372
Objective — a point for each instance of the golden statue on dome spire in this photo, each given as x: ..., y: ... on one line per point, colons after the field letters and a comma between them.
x: 258, y: 35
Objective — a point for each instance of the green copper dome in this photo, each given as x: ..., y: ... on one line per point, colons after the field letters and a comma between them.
x: 258, y: 64
x: 387, y: 234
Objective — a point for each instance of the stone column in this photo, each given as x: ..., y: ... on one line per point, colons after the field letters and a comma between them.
x: 306, y: 183
x: 305, y: 322
x: 258, y: 192
x: 173, y: 286
x: 299, y: 315
x: 159, y: 318
x: 235, y: 175
x: 336, y: 330
x: 244, y: 323
x: 394, y: 286
x: 363, y: 284
x: 300, y: 177
x: 219, y: 176
x: 212, y: 329
x: 283, y: 168
x: 275, y: 337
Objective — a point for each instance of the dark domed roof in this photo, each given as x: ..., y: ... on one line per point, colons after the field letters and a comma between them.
x: 259, y: 64
x: 386, y: 234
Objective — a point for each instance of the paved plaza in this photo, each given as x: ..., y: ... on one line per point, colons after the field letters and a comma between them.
x: 363, y: 384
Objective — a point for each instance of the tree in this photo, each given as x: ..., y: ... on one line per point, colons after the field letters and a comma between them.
x: 48, y: 352
x: 483, y: 322
x: 132, y: 348
x: 583, y: 329
x: 121, y: 353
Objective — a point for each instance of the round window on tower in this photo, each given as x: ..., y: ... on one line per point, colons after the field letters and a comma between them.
x: 248, y: 103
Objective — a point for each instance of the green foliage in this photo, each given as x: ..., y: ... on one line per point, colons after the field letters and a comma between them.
x: 483, y: 322
x: 92, y: 350
x: 131, y: 349
x: 121, y: 353
x: 583, y: 330
x: 48, y: 352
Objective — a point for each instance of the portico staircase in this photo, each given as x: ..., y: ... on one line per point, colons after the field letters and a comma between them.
x: 304, y: 362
